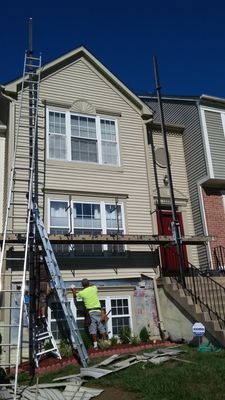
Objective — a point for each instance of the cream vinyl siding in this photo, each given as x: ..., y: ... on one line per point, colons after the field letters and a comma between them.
x: 81, y: 81
x: 180, y: 182
x: 2, y: 175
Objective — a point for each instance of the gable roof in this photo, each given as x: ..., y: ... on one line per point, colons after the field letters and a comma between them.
x: 74, y: 55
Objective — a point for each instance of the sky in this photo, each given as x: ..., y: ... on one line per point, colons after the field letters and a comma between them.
x: 187, y: 37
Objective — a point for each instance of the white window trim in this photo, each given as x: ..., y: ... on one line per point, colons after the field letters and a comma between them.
x: 107, y: 300
x: 49, y: 213
x: 102, y: 215
x: 68, y: 136
x: 206, y: 143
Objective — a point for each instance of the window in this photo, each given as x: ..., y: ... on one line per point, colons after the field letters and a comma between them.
x: 57, y: 319
x: 57, y: 135
x: 87, y: 220
x: 118, y: 310
x: 90, y: 219
x: 82, y: 138
x: 120, y: 315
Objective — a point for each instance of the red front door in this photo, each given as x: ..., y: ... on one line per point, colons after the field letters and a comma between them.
x: 169, y: 256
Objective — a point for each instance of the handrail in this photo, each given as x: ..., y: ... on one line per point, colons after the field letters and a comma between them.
x: 205, y: 291
x: 219, y: 255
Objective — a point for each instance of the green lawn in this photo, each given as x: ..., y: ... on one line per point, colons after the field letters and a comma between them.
x: 204, y: 379
x: 174, y: 380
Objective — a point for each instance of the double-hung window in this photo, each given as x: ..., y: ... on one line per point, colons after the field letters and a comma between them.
x: 82, y: 138
x: 87, y: 218
x: 118, y: 310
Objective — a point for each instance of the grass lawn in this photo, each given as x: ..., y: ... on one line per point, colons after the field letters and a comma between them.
x: 204, y: 379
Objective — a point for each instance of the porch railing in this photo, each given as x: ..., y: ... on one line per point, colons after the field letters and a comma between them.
x: 219, y: 256
x: 206, y: 292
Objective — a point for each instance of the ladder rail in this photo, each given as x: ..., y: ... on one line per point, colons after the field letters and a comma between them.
x: 30, y: 206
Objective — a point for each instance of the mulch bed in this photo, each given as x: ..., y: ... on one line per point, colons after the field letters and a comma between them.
x: 50, y: 364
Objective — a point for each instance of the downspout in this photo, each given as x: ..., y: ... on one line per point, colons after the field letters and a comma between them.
x: 200, y: 182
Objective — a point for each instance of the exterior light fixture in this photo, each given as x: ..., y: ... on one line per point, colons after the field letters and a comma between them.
x: 166, y: 180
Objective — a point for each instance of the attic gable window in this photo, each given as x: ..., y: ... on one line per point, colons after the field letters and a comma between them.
x: 82, y: 138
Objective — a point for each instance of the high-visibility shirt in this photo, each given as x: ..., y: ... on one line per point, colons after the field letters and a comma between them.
x: 89, y: 295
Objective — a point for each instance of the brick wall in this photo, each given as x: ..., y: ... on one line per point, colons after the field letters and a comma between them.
x: 215, y: 217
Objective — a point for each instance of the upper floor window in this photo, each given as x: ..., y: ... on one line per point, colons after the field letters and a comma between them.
x: 82, y: 138
x: 87, y: 218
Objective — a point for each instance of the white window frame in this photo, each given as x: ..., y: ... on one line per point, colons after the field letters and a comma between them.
x: 68, y: 136
x: 102, y: 204
x: 108, y: 300
x: 49, y: 312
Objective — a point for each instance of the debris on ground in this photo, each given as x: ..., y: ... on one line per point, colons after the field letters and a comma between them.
x: 71, y: 387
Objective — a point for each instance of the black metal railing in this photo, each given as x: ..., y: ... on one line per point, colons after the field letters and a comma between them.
x: 206, y: 292
x: 219, y: 257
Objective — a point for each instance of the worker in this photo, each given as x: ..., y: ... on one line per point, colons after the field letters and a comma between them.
x: 89, y: 295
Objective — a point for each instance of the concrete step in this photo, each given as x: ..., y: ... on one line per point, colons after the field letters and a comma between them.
x: 196, y: 312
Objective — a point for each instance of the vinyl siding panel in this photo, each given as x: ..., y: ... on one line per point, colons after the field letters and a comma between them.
x: 216, y: 139
x: 2, y: 175
x: 180, y: 182
x: 80, y: 81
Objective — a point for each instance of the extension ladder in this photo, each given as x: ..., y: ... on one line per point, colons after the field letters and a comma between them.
x: 60, y: 288
x: 18, y: 218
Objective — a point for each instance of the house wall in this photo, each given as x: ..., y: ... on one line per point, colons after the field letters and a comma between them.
x: 2, y: 178
x: 214, y: 124
x: 215, y: 217
x: 186, y: 113
x: 180, y: 181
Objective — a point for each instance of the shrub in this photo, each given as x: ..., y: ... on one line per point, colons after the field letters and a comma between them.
x: 144, y: 335
x: 125, y: 334
x: 135, y: 340
x: 114, y: 340
x: 65, y: 348
x: 104, y: 344
x: 86, y: 340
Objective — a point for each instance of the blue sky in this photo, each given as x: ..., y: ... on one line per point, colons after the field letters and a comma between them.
x: 187, y: 37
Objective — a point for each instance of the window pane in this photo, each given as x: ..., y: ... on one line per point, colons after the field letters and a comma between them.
x: 59, y: 214
x: 108, y: 130
x: 84, y: 150
x: 109, y: 153
x: 83, y: 127
x: 87, y: 215
x: 119, y: 323
x: 57, y: 147
x: 113, y: 216
x: 57, y: 123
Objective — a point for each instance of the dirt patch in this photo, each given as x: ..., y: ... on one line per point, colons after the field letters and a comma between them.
x: 111, y: 393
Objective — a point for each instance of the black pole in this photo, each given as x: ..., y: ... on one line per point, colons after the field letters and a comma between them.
x: 175, y: 223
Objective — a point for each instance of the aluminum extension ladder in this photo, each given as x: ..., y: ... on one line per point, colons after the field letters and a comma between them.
x: 60, y: 289
x: 13, y: 269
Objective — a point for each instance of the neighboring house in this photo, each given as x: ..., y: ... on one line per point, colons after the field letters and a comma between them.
x: 94, y: 179
x: 202, y: 119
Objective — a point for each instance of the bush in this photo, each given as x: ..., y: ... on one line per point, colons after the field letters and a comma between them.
x: 86, y: 340
x: 135, y: 340
x: 144, y: 335
x: 65, y: 348
x: 104, y: 344
x: 125, y: 334
x: 114, y: 340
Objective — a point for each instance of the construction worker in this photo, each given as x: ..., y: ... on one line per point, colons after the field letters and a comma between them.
x: 89, y: 295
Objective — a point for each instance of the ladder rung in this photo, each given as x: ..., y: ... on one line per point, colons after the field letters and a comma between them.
x: 15, y: 259
x: 46, y: 351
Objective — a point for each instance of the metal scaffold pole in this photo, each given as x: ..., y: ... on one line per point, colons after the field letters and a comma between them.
x: 175, y: 223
